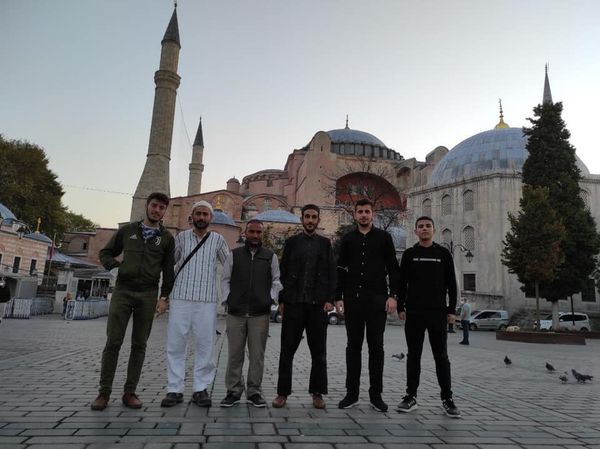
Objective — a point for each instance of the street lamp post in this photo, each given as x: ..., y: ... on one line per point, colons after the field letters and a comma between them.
x: 468, y: 255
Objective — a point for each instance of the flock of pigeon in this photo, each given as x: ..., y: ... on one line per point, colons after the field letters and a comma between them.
x: 564, y: 378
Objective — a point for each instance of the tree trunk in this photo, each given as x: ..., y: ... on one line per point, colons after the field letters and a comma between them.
x: 537, y: 304
x: 555, y: 322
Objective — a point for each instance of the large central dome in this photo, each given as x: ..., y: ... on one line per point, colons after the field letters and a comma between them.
x: 347, y: 135
x: 494, y: 151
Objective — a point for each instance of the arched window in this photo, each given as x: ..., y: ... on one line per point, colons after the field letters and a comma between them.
x: 469, y: 237
x: 447, y: 235
x: 446, y: 205
x: 468, y: 201
x: 427, y: 207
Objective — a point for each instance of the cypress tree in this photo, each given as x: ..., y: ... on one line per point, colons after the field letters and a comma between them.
x: 552, y: 164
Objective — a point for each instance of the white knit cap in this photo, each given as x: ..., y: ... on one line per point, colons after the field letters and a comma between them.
x: 202, y: 203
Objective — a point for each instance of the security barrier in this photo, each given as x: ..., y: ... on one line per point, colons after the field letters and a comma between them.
x: 87, y: 309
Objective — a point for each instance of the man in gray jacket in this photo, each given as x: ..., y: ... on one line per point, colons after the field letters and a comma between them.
x: 250, y: 282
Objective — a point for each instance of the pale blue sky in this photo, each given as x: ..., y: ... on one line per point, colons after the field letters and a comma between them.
x: 77, y: 78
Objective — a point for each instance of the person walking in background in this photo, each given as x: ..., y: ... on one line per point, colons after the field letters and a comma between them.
x: 193, y: 307
x: 426, y: 277
x: 308, y: 278
x: 465, y: 314
x: 366, y: 291
x: 66, y: 300
x: 148, y: 251
x: 250, y: 283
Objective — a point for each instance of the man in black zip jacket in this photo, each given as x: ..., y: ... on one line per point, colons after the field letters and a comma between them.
x: 308, y: 278
x: 148, y: 250
x: 250, y: 283
x: 426, y: 276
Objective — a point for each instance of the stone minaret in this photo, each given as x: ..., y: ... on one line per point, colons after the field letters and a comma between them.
x: 155, y: 177
x: 196, y: 167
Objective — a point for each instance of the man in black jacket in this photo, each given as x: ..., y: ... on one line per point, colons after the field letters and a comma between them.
x: 250, y: 282
x: 308, y: 278
x: 148, y: 251
x: 426, y: 276
x: 366, y: 291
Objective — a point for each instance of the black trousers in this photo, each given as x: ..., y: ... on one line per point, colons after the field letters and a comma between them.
x: 297, y: 318
x: 369, y: 314
x: 435, y: 324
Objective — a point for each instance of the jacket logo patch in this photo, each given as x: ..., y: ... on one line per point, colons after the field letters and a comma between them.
x: 426, y: 259
x: 133, y: 237
x: 158, y: 240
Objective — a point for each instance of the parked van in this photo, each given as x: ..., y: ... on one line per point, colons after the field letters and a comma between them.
x: 567, y: 321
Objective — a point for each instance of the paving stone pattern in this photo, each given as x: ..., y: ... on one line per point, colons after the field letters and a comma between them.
x: 49, y: 372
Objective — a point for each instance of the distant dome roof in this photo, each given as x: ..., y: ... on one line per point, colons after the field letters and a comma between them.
x: 278, y: 216
x: 220, y: 217
x: 5, y: 212
x: 493, y: 151
x: 39, y: 237
x: 347, y: 135
x: 234, y: 179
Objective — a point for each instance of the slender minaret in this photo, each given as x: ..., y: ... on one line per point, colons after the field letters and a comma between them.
x: 155, y: 177
x: 196, y: 167
x: 547, y: 94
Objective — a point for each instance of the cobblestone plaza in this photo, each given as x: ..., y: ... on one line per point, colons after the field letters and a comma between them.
x: 49, y: 371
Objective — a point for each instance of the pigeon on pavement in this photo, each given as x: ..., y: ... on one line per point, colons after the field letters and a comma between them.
x: 564, y: 377
x: 550, y: 368
x: 581, y: 378
x: 400, y: 356
x: 507, y: 361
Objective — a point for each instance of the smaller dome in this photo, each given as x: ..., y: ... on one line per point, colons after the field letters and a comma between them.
x: 221, y: 218
x: 39, y: 237
x: 6, y: 213
x: 234, y: 179
x: 278, y: 216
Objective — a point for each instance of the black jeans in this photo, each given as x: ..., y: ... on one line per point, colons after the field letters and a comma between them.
x: 366, y: 313
x: 296, y: 318
x: 436, y: 325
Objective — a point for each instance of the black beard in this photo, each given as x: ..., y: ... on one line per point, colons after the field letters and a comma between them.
x: 201, y: 224
x: 151, y: 220
x: 309, y: 231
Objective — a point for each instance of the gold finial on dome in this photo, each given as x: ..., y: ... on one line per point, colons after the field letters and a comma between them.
x: 218, y: 203
x: 501, y: 124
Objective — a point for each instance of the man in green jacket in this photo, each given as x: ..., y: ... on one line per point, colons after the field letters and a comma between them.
x: 148, y: 251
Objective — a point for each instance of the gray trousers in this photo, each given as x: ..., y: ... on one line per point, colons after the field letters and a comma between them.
x: 253, y: 330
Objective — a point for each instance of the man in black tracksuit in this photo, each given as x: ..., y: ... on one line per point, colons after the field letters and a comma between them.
x: 426, y: 276
x: 308, y: 278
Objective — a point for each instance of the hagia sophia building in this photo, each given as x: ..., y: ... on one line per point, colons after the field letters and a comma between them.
x: 468, y: 190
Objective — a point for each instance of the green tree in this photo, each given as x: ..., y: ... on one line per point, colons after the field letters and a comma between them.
x: 552, y: 164
x: 31, y: 190
x: 532, y: 249
x: 78, y: 223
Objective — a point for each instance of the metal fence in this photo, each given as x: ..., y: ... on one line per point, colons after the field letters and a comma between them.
x: 23, y: 308
x: 87, y: 309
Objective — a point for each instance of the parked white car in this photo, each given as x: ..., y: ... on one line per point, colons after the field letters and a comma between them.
x: 489, y: 319
x: 567, y: 321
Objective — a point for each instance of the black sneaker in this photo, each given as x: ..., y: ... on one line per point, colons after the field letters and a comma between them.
x: 349, y: 401
x: 408, y: 404
x: 172, y: 399
x: 230, y: 400
x: 450, y: 409
x: 201, y: 398
x: 257, y: 400
x: 463, y: 342
x: 378, y: 404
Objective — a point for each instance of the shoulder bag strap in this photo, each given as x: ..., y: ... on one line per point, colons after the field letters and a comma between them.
x: 190, y: 255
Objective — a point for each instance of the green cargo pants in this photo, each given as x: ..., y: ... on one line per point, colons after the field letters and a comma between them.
x: 123, y: 304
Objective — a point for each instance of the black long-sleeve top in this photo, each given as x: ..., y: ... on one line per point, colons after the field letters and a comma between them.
x: 367, y: 265
x: 426, y: 276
